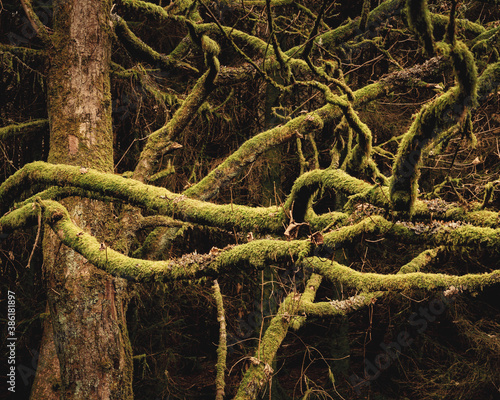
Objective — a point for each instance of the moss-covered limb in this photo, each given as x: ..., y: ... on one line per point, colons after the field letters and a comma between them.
x: 361, y: 153
x: 33, y: 59
x: 336, y: 37
x: 370, y: 282
x: 154, y: 244
x: 440, y: 114
x: 23, y: 129
x: 314, y: 31
x: 220, y: 367
x: 285, y: 69
x: 248, y: 152
x: 152, y: 198
x: 424, y: 259
x: 113, y: 262
x: 151, y: 11
x: 306, y: 298
x: 325, y: 221
x: 208, y: 187
x: 489, y: 81
x: 451, y: 27
x: 452, y: 234
x: 419, y: 19
x: 361, y: 191
x: 40, y: 29
x: 338, y: 307
x: 337, y: 180
x: 257, y: 253
x: 20, y: 218
x: 154, y: 221
x: 260, y: 372
x: 138, y: 75
x: 488, y: 192
x: 487, y: 42
x: 162, y: 140
x: 233, y: 75
x: 463, y: 25
x: 141, y: 50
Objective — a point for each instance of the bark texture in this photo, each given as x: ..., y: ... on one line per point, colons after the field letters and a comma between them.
x: 87, y: 306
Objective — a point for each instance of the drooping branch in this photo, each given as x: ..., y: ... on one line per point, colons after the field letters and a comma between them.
x: 432, y: 119
x: 144, y: 52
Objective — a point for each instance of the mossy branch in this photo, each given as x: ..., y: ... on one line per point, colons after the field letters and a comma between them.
x: 260, y: 372
x: 434, y: 117
x: 423, y: 260
x: 371, y: 282
x: 141, y: 50
x: 419, y: 20
x: 209, y: 186
x: 151, y: 11
x: 23, y: 129
x: 162, y: 141
x: 152, y: 198
x: 256, y: 254
x: 337, y: 307
x: 40, y: 29
x: 220, y: 367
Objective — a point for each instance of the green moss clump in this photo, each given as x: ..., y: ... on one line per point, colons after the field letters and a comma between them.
x: 419, y: 20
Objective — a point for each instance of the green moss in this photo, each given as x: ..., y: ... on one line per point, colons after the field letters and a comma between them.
x: 434, y: 117
x: 260, y: 371
x: 23, y: 129
x: 144, y: 52
x: 419, y: 20
x: 411, y: 281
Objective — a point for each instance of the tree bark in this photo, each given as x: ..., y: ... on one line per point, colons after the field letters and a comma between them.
x: 87, y: 306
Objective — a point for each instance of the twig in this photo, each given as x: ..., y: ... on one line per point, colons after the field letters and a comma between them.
x: 37, y: 236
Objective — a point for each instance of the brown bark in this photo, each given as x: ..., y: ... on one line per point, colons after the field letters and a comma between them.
x: 87, y: 306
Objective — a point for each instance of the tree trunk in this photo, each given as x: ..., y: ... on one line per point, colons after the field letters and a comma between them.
x: 87, y: 306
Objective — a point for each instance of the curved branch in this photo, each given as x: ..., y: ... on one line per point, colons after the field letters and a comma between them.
x: 257, y: 253
x: 432, y: 119
x: 209, y: 186
x: 40, y: 29
x: 140, y: 49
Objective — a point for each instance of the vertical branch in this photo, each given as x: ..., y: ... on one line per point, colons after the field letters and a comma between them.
x: 419, y: 19
x: 274, y: 41
x: 222, y: 348
x: 260, y: 372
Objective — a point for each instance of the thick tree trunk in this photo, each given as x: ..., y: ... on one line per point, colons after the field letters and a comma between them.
x: 87, y: 306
